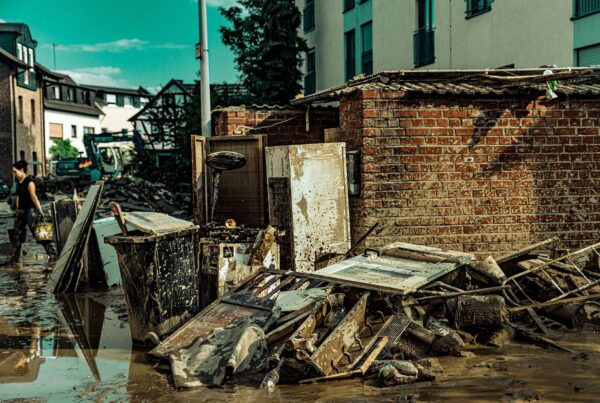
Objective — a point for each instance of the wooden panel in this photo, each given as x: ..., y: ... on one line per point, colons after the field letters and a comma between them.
x: 241, y: 191
x: 56, y: 131
x: 332, y: 135
x: 199, y: 179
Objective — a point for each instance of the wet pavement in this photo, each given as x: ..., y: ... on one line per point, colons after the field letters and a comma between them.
x: 78, y: 348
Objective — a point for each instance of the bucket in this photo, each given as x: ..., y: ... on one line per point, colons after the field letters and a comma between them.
x: 42, y: 232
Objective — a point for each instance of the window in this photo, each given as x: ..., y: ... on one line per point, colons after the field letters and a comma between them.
x: 22, y: 155
x: 33, y: 111
x: 308, y: 16
x: 350, y: 39
x: 31, y: 63
x: 26, y: 77
x: 588, y: 56
x: 120, y: 100
x: 20, y: 109
x: 56, y: 92
x: 423, y: 37
x: 88, y: 130
x: 476, y: 7
x: 310, y: 79
x: 110, y: 99
x: 73, y: 131
x: 35, y: 166
x: 367, y: 48
x: 19, y: 51
x: 127, y: 101
x: 56, y: 131
x: 136, y: 102
x: 348, y: 5
x: 582, y: 8
x: 25, y: 55
x: 70, y: 95
x: 104, y: 130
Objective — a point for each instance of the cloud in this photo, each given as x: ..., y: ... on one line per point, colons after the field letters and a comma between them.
x: 2, y: 21
x: 120, y: 45
x: 101, y: 75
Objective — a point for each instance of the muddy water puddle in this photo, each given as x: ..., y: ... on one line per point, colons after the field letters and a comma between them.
x: 78, y: 348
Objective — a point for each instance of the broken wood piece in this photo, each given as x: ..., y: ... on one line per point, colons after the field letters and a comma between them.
x: 526, y: 250
x: 479, y: 291
x: 118, y: 214
x: 540, y: 339
x: 558, y: 302
x: 537, y: 320
x: 287, y: 327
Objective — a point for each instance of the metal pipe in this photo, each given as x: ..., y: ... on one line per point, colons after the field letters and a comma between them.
x: 204, y: 73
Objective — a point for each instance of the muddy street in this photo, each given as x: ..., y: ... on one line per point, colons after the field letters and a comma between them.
x: 78, y: 348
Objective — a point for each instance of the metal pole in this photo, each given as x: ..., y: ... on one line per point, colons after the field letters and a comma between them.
x: 204, y: 74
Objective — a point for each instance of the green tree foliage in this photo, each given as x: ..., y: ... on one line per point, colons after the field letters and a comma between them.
x: 264, y: 39
x: 63, y: 149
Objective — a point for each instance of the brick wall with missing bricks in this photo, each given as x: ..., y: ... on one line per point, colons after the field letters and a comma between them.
x: 283, y: 126
x: 480, y: 175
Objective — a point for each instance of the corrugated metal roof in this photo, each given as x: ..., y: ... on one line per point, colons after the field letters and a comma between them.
x: 572, y: 81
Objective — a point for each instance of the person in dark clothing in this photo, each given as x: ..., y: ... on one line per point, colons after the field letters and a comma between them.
x: 28, y: 210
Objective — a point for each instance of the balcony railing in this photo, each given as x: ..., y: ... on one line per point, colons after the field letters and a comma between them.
x: 585, y: 7
x: 309, y: 17
x: 423, y: 46
x: 310, y: 83
x: 367, y: 62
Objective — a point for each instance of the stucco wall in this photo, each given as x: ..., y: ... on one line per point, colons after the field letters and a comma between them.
x: 328, y: 40
x: 67, y: 120
x: 116, y: 117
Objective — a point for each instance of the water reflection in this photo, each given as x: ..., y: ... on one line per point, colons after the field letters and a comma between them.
x: 87, y: 344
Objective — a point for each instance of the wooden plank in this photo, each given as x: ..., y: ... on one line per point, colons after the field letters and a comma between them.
x: 526, y: 250
x: 199, y: 179
x: 118, y: 214
x: 156, y: 223
x: 242, y: 192
x: 66, y: 273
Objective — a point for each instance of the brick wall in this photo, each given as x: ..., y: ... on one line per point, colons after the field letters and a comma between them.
x: 479, y: 175
x: 30, y: 132
x: 282, y: 126
x: 6, y: 122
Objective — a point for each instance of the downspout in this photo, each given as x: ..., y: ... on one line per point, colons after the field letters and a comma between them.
x: 450, y: 33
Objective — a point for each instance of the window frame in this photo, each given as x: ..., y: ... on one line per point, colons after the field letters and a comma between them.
x: 308, y: 24
x: 311, y: 74
x: 349, y: 72
x: 349, y: 5
x: 32, y: 103
x: 578, y: 14
x: 73, y: 131
x: 484, y: 6
x: 366, y: 52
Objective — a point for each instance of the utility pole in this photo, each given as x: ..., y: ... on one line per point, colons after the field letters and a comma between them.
x: 204, y: 76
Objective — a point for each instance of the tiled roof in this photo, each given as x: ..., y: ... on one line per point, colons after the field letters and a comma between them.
x: 11, y: 58
x: 571, y: 81
x: 81, y: 109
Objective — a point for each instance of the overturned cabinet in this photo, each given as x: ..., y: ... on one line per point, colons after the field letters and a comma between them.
x: 308, y: 198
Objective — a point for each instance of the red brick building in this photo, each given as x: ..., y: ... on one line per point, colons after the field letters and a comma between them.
x: 477, y: 161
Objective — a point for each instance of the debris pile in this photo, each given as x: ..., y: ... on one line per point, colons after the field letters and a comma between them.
x: 387, y: 312
x: 135, y: 194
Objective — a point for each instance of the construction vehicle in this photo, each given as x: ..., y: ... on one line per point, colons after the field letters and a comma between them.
x: 106, y: 158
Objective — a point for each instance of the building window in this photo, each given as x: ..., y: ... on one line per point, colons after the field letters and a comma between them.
x: 20, y: 109
x: 26, y: 76
x: 110, y: 99
x: 120, y: 100
x: 31, y: 63
x: 19, y: 51
x: 33, y: 111
x: 348, y: 5
x: 423, y: 38
x: 56, y: 131
x: 70, y: 95
x: 127, y: 101
x: 476, y: 7
x: 104, y: 130
x: 582, y: 8
x: 350, y: 48
x: 308, y: 16
x: 73, y: 131
x: 25, y: 55
x: 588, y: 56
x: 88, y: 130
x: 22, y: 155
x: 56, y: 92
x: 310, y: 79
x: 367, y: 48
x: 35, y: 165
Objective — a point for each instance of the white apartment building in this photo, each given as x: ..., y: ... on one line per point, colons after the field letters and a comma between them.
x: 351, y: 37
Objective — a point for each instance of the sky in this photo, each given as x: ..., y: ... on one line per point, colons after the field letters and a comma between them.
x: 124, y: 43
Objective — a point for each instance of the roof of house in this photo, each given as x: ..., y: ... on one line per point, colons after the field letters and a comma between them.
x: 571, y: 81
x: 15, y: 27
x: 11, y: 58
x: 153, y: 100
x: 71, y: 107
x: 125, y: 91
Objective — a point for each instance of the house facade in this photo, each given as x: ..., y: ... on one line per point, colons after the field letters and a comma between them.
x: 352, y: 37
x: 21, y: 101
x: 70, y: 112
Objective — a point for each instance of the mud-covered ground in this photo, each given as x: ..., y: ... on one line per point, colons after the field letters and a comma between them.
x: 78, y: 349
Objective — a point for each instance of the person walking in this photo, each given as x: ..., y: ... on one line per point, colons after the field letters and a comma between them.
x: 28, y: 210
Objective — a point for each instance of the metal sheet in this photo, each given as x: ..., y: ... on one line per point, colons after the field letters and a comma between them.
x: 318, y: 199
x: 103, y: 228
x: 155, y: 223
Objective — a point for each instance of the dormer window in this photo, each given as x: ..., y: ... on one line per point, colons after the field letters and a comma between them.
x: 25, y: 55
x: 19, y: 51
x: 56, y: 92
x: 31, y: 63
x: 110, y: 99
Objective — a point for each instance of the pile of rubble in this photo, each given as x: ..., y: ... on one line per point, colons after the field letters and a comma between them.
x: 387, y: 312
x: 135, y: 194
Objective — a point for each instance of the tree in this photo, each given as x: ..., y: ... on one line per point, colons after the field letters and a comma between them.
x: 264, y: 39
x: 63, y: 149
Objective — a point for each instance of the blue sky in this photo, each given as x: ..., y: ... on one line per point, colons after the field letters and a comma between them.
x: 123, y: 42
